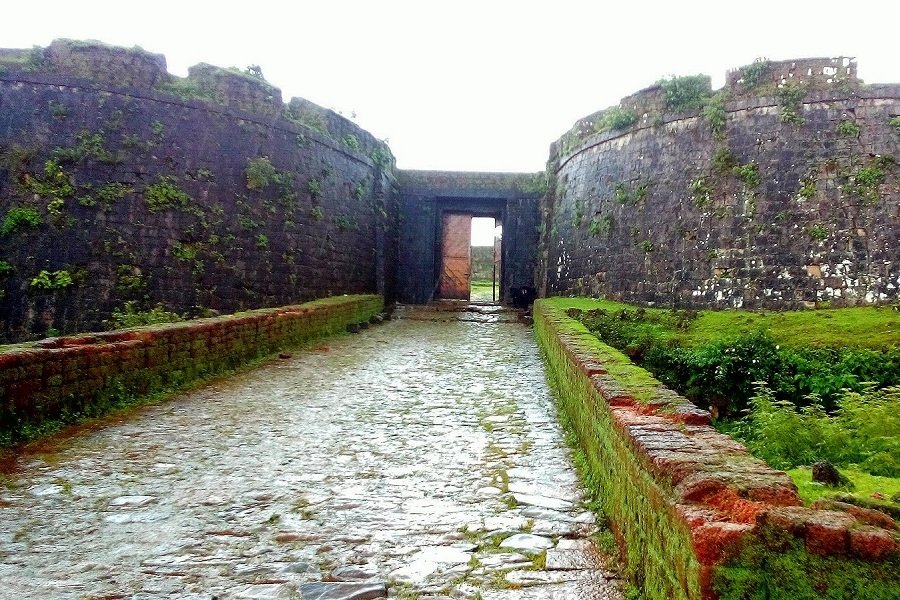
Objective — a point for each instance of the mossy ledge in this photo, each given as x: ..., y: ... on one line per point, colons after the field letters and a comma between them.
x: 62, y: 380
x: 696, y: 516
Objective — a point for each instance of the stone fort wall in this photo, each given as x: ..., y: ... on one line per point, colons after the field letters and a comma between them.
x: 782, y: 192
x: 122, y: 183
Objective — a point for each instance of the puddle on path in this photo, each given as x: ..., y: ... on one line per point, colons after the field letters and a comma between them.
x: 421, y: 455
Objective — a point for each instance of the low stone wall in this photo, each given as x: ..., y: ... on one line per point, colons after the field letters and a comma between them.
x: 63, y: 379
x: 695, y: 514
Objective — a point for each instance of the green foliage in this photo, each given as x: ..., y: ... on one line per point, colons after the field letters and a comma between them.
x: 748, y: 173
x: 895, y: 123
x: 640, y: 191
x: 701, y: 192
x: 780, y: 567
x: 360, y: 190
x: 53, y: 183
x: 537, y: 184
x: 346, y: 223
x: 262, y: 241
x: 601, y: 225
x: 866, y: 181
x: 5, y: 268
x: 165, y: 194
x: 818, y: 232
x: 790, y: 96
x: 260, y: 174
x: 20, y: 217
x: 130, y: 316
x: 848, y: 128
x: 248, y: 223
x: 314, y: 187
x: 578, y: 214
x: 185, y: 89
x: 752, y: 74
x: 185, y: 252
x: 631, y: 196
x: 351, y: 141
x: 88, y: 146
x: 714, y: 112
x: 864, y: 430
x: 309, y: 118
x: 58, y: 110
x: 316, y: 213
x: 381, y: 156
x: 807, y: 188
x: 863, y: 488
x: 723, y: 160
x: 614, y: 118
x: 129, y: 278
x: 686, y: 92
x: 112, y: 192
x: 647, y: 246
x: 722, y: 363
x: 57, y: 280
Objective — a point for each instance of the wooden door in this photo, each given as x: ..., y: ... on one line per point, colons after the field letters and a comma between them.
x: 456, y: 244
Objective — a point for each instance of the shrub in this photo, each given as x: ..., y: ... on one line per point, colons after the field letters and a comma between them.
x: 790, y: 97
x: 752, y: 74
x: 723, y: 372
x: 165, y: 195
x: 20, y: 217
x: 616, y: 118
x: 129, y: 316
x: 351, y: 141
x: 715, y: 113
x: 863, y: 431
x: 45, y: 280
x: 260, y: 173
x: 685, y: 93
x: 848, y: 128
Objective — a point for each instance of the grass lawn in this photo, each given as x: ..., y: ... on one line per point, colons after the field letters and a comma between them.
x: 864, y: 486
x: 874, y: 327
x: 481, y: 291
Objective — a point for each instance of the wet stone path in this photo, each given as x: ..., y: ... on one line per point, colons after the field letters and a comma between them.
x: 415, y: 460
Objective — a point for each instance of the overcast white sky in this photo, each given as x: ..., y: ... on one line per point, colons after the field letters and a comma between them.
x: 468, y: 84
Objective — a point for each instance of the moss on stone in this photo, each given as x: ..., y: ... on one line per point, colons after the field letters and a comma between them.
x: 778, y: 567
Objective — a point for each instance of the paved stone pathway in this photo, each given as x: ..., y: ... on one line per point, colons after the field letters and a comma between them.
x: 417, y: 460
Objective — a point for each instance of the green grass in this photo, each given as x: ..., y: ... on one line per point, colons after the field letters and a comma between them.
x: 874, y: 327
x: 864, y: 486
x: 481, y: 290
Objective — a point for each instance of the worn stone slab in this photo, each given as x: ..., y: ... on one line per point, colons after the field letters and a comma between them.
x: 352, y: 573
x: 536, y: 512
x: 327, y: 590
x: 574, y: 544
x: 527, y: 543
x: 543, y: 501
x: 585, y: 585
x: 571, y: 560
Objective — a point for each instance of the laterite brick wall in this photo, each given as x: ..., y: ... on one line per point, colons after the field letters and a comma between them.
x: 64, y: 378
x: 696, y: 515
